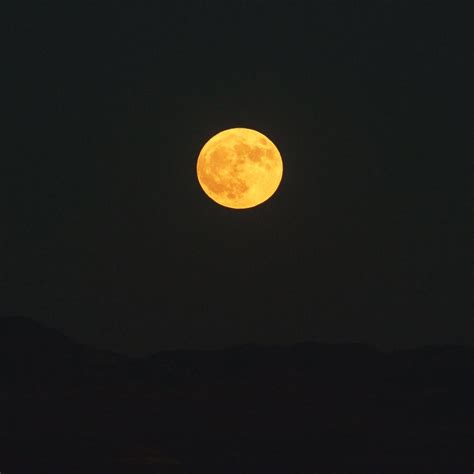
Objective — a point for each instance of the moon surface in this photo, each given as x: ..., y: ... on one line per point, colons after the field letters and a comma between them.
x: 239, y: 168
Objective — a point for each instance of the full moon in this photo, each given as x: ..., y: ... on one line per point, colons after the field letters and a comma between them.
x: 239, y: 168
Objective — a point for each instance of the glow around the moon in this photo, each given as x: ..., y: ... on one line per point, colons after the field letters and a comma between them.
x: 239, y: 168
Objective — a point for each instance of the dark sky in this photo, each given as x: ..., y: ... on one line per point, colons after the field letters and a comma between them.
x: 110, y: 238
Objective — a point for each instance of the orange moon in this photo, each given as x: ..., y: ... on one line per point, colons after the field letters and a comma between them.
x: 239, y: 168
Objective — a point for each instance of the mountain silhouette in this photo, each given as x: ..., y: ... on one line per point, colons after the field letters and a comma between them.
x: 31, y: 351
x: 304, y: 408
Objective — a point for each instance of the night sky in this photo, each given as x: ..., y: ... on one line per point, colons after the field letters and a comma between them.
x: 110, y: 238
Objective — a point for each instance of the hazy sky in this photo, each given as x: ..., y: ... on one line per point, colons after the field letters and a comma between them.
x: 110, y: 238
